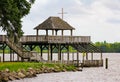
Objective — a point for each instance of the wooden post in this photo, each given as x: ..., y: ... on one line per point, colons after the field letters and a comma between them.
x: 106, y: 63
x: 13, y: 55
x: 59, y: 52
x: 10, y: 54
x: 56, y: 32
x: 62, y: 33
x: 0, y: 58
x: 86, y: 56
x: 53, y: 32
x: 92, y: 56
x: 62, y: 57
x: 49, y: 52
x: 46, y: 32
x: 73, y: 56
x: 41, y: 49
x: 77, y: 59
x: 71, y: 32
x: 37, y: 33
x: 18, y: 58
x: 101, y: 55
x: 51, y: 55
x: 83, y: 57
x: 68, y: 54
x: 3, y: 53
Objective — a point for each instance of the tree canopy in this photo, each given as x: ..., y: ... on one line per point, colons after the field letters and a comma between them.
x: 11, y: 13
x: 108, y: 47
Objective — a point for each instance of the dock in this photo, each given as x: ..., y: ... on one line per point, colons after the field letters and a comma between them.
x: 52, y: 42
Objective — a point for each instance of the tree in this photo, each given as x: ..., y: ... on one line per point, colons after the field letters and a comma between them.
x: 11, y: 13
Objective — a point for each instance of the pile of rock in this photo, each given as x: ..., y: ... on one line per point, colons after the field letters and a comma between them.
x: 6, y: 75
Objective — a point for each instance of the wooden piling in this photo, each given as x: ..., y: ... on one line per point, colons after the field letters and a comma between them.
x: 10, y: 54
x: 106, y: 63
x: 49, y: 52
x: 92, y: 56
x: 0, y: 58
x: 68, y: 54
x: 18, y: 58
x: 77, y: 59
x: 59, y: 52
x: 3, y: 54
x: 73, y: 56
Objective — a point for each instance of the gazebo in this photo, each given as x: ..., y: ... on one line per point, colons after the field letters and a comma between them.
x: 55, y: 24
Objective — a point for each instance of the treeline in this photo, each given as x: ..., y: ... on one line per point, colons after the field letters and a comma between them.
x: 108, y: 47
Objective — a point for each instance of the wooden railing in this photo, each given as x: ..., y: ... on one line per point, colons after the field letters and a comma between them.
x: 55, y: 39
x: 52, y: 39
x: 15, y: 47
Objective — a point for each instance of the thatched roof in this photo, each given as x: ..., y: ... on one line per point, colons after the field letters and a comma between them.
x: 54, y: 23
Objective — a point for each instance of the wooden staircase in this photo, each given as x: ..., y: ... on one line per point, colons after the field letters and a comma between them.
x: 19, y: 51
x: 89, y: 47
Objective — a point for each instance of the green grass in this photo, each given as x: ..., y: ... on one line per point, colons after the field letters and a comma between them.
x: 14, y: 66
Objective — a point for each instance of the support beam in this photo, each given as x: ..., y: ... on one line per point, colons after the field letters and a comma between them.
x: 46, y: 32
x: 71, y: 32
x: 52, y: 32
x: 92, y: 56
x: 31, y: 47
x: 72, y: 55
x: 3, y: 54
x: 77, y: 58
x: 13, y: 56
x: 62, y: 33
x: 56, y: 32
x: 18, y: 58
x: 86, y: 56
x: 49, y: 52
x: 4, y: 46
x: 101, y: 56
x: 41, y: 49
x: 59, y: 52
x: 68, y: 53
x: 37, y: 33
x: 62, y: 57
x: 10, y: 54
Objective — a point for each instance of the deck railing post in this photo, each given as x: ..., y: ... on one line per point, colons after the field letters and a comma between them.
x: 0, y: 58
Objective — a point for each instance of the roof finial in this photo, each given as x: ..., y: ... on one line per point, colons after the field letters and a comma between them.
x: 62, y: 13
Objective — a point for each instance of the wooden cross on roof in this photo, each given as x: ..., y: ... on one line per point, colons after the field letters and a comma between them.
x: 62, y: 13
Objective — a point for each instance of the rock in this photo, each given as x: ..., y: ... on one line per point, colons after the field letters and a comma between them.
x: 23, y: 71
x: 14, y: 75
x: 38, y: 71
x: 79, y: 69
x: 31, y: 72
x: 4, y: 76
x: 21, y: 75
x: 7, y: 70
x: 11, y: 78
x: 63, y: 70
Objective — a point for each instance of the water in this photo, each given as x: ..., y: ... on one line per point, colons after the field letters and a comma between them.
x: 97, y: 74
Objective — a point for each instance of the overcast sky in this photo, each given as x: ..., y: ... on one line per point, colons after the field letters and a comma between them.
x: 99, y: 19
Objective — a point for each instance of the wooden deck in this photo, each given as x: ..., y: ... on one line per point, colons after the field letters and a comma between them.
x: 51, y: 39
x: 55, y: 39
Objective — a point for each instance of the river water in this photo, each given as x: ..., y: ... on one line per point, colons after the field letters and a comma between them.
x: 93, y: 74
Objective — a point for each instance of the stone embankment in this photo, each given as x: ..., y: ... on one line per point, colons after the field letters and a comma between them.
x: 6, y: 75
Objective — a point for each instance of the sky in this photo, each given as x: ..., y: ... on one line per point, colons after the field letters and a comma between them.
x: 99, y: 19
